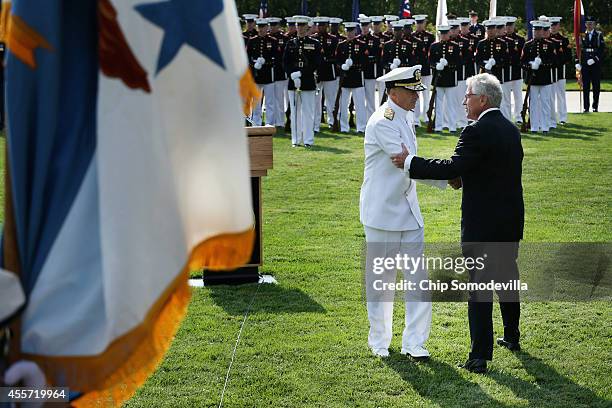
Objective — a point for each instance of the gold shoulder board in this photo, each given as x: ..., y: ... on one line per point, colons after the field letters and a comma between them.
x: 389, y: 114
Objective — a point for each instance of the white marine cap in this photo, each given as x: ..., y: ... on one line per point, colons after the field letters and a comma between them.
x: 321, y: 20
x: 543, y: 18
x: 261, y: 21
x: 537, y: 24
x: 390, y: 17
x: 404, y: 77
x: 554, y: 20
x: 510, y: 20
x: 443, y: 28
x: 397, y: 25
x: 404, y: 22
x: 454, y: 23
x: 464, y: 20
x: 274, y: 20
x: 489, y: 23
x: 500, y: 22
x: 250, y: 17
x: 350, y: 25
x: 301, y: 19
x: 335, y: 20
x: 419, y: 17
x: 365, y: 20
x: 377, y: 19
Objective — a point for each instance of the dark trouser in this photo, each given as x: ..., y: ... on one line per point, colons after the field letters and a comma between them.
x: 591, y: 75
x: 500, y: 266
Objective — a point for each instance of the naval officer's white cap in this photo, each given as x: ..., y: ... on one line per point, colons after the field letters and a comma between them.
x: 404, y: 77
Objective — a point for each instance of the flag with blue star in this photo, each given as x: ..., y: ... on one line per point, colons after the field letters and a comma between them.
x: 184, y: 22
x: 140, y: 175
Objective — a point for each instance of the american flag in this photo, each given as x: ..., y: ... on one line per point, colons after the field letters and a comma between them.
x: 405, y: 11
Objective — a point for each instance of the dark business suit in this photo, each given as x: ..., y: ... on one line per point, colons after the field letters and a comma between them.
x: 488, y: 158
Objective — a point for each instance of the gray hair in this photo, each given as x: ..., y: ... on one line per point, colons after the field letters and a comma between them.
x: 487, y: 85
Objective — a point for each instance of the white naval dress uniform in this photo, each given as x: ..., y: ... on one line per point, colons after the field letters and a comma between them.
x: 390, y: 213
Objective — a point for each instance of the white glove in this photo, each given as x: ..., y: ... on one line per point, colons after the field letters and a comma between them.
x: 349, y: 62
x: 298, y: 83
x: 488, y: 65
x: 578, y: 67
x: 538, y: 60
x: 345, y: 67
x: 439, y: 66
x: 444, y: 61
x: 257, y: 65
x: 590, y: 61
x: 534, y: 65
x: 295, y: 75
x: 492, y: 62
x: 261, y: 60
x: 393, y: 66
x: 27, y: 372
x: 397, y: 62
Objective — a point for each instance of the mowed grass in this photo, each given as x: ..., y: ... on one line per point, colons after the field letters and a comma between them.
x: 305, y: 340
x: 572, y: 84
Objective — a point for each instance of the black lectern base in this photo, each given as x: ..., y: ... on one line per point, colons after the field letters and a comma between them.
x: 248, y: 274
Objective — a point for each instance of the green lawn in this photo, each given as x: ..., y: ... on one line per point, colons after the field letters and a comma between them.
x: 304, y: 343
x: 572, y: 85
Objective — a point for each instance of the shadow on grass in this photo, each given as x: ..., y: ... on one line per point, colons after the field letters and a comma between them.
x: 568, y: 131
x: 551, y: 389
x: 436, y: 380
x: 270, y: 299
x: 335, y: 150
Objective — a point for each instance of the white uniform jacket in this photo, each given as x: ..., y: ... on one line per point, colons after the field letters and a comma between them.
x: 388, y: 198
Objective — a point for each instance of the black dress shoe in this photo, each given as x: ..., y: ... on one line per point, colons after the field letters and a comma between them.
x: 594, y: 109
x: 512, y: 346
x: 475, y: 365
x: 586, y: 111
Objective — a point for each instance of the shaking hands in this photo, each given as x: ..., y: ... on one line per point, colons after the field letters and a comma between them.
x: 399, y: 159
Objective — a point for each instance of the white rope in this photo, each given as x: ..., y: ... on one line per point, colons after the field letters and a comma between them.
x: 229, y: 369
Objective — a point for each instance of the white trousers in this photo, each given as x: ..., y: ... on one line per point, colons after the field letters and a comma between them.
x: 552, y: 116
x: 461, y: 118
x: 358, y: 95
x: 516, y: 87
x: 506, y: 104
x: 330, y: 89
x: 559, y: 103
x: 539, y: 107
x: 371, y: 97
x: 422, y: 104
x: 280, y: 93
x: 302, y: 106
x: 417, y: 322
x: 267, y: 101
x: 445, y: 109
